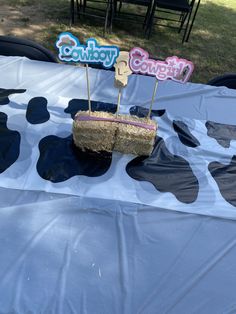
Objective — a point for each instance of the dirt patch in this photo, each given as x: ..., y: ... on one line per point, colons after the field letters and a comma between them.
x: 23, y: 21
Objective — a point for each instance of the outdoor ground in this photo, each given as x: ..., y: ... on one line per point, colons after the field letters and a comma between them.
x: 212, y: 46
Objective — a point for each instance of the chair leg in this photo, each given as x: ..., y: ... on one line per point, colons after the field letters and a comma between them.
x: 182, y: 22
x: 181, y: 17
x: 188, y: 21
x: 84, y: 5
x: 112, y: 11
x: 120, y: 6
x: 150, y: 21
x: 107, y: 22
x: 194, y: 16
x: 146, y: 19
x: 115, y: 7
x: 72, y: 12
x: 78, y: 8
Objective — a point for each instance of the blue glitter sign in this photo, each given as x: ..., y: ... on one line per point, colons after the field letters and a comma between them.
x: 71, y: 50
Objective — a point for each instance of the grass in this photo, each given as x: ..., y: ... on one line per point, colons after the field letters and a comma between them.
x: 212, y: 45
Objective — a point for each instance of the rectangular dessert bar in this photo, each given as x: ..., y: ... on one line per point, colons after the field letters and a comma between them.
x: 94, y: 135
x: 134, y: 139
x: 101, y: 131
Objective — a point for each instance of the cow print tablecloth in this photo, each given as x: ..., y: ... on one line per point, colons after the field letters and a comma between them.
x: 191, y: 169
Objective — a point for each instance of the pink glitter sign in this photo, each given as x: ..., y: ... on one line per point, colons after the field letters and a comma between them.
x: 173, y: 68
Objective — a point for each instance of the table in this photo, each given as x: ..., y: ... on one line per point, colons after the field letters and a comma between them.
x: 109, y: 243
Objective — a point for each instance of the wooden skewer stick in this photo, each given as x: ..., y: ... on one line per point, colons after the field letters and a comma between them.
x: 153, y: 98
x: 88, y: 89
x: 118, y: 102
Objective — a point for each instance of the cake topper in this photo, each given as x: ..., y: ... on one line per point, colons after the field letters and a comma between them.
x: 71, y: 50
x: 173, y: 68
x: 122, y: 71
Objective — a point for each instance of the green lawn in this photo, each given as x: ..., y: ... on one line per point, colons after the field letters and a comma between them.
x: 212, y: 45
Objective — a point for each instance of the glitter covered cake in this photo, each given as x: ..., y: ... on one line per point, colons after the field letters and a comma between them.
x: 103, y: 131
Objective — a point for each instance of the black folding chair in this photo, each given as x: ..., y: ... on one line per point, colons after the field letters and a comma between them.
x: 13, y: 46
x: 227, y: 80
x: 177, y: 12
x: 101, y: 10
x: 119, y: 14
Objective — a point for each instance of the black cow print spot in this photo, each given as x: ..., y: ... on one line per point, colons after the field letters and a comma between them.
x: 60, y: 160
x: 37, y: 111
x: 82, y: 104
x: 167, y: 172
x: 5, y: 93
x: 143, y: 112
x: 222, y: 133
x: 9, y: 144
x: 225, y: 177
x: 184, y: 134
